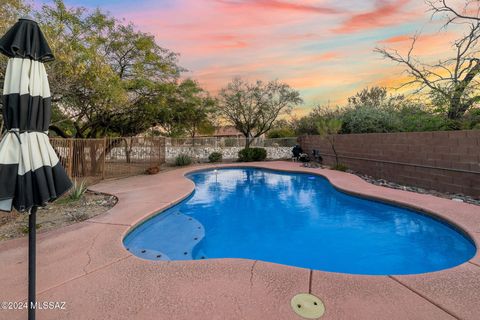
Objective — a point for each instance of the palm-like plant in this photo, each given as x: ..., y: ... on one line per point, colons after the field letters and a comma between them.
x: 327, y: 129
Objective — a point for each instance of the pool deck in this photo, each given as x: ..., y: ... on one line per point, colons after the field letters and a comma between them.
x: 86, y: 266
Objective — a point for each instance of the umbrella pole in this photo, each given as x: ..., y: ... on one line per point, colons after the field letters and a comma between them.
x: 32, y: 233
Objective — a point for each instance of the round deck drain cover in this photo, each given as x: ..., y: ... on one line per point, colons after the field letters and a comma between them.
x: 307, y: 306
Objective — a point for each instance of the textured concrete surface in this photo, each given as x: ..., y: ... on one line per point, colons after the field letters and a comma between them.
x: 86, y: 266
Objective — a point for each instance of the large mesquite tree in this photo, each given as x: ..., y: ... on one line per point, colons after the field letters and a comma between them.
x: 108, y: 78
x: 253, y: 107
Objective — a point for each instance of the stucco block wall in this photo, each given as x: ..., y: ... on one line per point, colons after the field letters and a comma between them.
x: 447, y: 161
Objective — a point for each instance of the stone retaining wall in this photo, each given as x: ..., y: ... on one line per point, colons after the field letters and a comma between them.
x: 201, y: 153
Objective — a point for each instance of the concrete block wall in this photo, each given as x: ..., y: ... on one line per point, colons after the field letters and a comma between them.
x: 447, y: 161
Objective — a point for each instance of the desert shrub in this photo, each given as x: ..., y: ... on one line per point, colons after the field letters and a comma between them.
x: 183, y: 160
x: 259, y: 154
x: 252, y: 154
x: 414, y: 117
x: 215, y: 157
x: 471, y: 119
x: 245, y: 155
x: 340, y: 167
x: 370, y: 119
x: 280, y: 133
x: 374, y: 110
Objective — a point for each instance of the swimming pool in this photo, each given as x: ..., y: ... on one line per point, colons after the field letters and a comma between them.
x: 299, y: 220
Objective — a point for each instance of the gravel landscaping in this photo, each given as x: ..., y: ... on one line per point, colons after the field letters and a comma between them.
x: 393, y: 185
x: 58, y: 214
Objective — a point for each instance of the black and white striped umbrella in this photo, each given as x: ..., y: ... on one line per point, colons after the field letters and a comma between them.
x: 30, y: 172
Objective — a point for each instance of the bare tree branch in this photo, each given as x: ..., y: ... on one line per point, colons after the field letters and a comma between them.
x: 461, y: 71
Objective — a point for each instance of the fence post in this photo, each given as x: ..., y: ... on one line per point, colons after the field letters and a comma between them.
x: 104, y: 156
x: 70, y: 158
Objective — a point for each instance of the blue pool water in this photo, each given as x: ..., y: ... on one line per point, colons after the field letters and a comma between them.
x: 298, y: 220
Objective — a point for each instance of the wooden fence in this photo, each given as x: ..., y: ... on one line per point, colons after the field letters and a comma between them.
x: 97, y: 159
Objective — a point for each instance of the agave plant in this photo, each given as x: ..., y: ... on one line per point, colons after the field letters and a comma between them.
x: 77, y: 191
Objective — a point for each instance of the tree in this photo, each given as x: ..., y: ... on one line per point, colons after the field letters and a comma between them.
x: 253, y: 107
x: 456, y: 78
x: 108, y: 78
x: 197, y: 107
x: 327, y: 129
x: 189, y: 110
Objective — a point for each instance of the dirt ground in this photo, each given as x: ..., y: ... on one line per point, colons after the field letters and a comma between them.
x: 58, y: 214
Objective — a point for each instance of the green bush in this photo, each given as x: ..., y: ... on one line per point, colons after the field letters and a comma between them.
x: 215, y: 157
x: 183, y: 160
x: 252, y: 154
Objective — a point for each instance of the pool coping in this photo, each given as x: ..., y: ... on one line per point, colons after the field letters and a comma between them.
x: 96, y: 254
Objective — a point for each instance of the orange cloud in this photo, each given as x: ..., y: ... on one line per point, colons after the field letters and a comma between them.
x: 426, y: 44
x: 397, y: 39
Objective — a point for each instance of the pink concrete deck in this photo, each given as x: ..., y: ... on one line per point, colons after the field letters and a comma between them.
x: 86, y: 266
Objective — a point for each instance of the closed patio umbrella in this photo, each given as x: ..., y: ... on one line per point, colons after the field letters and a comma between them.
x: 30, y: 172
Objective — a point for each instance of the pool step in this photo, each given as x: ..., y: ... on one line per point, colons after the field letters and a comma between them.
x: 200, y: 255
x: 176, y: 240
x: 149, y: 254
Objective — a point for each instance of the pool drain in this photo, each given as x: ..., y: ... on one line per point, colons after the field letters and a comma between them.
x: 307, y: 306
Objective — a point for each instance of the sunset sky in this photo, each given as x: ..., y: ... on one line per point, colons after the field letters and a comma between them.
x: 323, y: 48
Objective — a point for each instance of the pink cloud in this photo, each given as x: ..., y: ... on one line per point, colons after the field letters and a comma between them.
x: 280, y: 5
x: 385, y: 12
